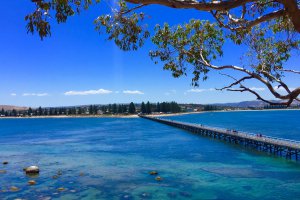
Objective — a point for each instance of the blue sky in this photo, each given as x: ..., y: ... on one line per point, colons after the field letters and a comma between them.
x: 78, y: 66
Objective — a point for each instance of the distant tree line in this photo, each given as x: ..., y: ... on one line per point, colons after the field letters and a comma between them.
x: 212, y: 107
x: 280, y: 106
x: 111, y: 109
x: 164, y: 107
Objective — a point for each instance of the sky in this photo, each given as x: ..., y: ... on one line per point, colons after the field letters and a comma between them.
x: 77, y: 66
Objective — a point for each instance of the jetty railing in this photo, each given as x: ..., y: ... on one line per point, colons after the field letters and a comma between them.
x: 277, y: 146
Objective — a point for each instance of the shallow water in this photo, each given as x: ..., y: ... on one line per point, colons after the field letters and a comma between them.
x: 110, y: 159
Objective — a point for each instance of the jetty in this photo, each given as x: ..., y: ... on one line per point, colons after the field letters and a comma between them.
x: 289, y: 149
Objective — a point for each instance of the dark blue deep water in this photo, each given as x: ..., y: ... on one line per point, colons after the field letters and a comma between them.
x: 108, y: 158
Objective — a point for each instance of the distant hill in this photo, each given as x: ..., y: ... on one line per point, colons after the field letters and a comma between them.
x: 247, y: 104
x: 244, y: 104
x: 9, y: 107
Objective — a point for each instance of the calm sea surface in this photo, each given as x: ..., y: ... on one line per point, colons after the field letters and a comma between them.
x: 110, y: 159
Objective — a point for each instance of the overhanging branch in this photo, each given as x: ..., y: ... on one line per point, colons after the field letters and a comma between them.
x: 192, y: 4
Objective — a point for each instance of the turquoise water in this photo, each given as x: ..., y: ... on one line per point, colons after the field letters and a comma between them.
x: 110, y: 159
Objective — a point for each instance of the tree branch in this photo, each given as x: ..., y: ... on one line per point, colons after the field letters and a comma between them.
x: 132, y: 9
x: 235, y: 83
x: 289, y: 70
x: 291, y: 7
x: 290, y: 96
x: 192, y: 4
x: 264, y: 18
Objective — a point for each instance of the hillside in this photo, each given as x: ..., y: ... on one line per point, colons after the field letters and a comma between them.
x: 9, y: 107
x: 248, y: 104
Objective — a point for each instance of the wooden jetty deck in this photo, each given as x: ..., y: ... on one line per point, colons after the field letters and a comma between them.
x: 289, y: 149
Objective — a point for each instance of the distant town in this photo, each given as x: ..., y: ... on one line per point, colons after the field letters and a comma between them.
x: 133, y: 109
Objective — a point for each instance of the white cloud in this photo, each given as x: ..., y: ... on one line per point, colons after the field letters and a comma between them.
x: 87, y: 92
x: 36, y: 94
x: 132, y: 92
x: 201, y: 90
x: 257, y: 89
x: 13, y: 94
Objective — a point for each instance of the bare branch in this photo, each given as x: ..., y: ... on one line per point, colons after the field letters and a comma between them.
x: 244, y: 12
x: 261, y: 19
x: 132, y: 9
x: 248, y: 24
x: 264, y: 100
x: 289, y: 70
x: 220, y: 22
x: 192, y: 4
x: 244, y: 89
x: 235, y: 83
x: 282, y: 84
x: 290, y: 96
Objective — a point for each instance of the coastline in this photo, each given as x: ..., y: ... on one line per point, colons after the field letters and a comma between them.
x: 72, y: 116
x: 136, y: 115
x: 99, y: 116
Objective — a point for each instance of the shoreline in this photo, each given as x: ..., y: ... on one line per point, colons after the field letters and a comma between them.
x: 136, y: 115
x: 98, y: 116
x: 72, y: 116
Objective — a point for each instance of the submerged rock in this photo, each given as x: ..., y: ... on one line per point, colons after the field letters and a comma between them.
x: 31, y: 182
x: 158, y: 178
x: 153, y: 172
x: 55, y: 177
x: 61, y: 189
x: 4, y: 162
x: 14, y: 189
x: 32, y: 170
x: 2, y: 171
x: 81, y: 174
x: 185, y: 194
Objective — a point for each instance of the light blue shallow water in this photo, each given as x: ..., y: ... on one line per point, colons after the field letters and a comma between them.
x: 115, y: 156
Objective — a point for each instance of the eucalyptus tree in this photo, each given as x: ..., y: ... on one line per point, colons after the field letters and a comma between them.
x: 131, y: 108
x: 268, y: 29
x: 143, y: 108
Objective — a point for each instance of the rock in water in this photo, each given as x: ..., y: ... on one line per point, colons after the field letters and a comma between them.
x: 153, y: 172
x: 61, y: 189
x: 32, y: 170
x: 158, y: 178
x: 31, y: 182
x: 14, y: 189
x: 5, y: 163
x: 81, y: 174
x: 55, y: 177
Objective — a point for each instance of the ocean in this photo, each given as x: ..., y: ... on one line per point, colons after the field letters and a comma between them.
x: 110, y: 158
